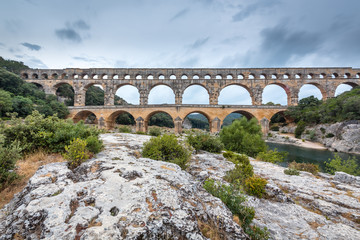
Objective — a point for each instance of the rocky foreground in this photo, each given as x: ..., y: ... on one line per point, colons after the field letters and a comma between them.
x: 119, y: 195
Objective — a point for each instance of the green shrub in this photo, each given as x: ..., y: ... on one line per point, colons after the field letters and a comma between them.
x: 291, y: 171
x: 141, y: 133
x: 255, y: 186
x: 272, y: 156
x: 243, y: 136
x: 257, y: 233
x: 239, y: 174
x: 206, y: 142
x: 155, y: 131
x: 76, y: 153
x: 233, y: 199
x: 307, y: 167
x: 166, y: 148
x: 236, y: 158
x: 300, y: 129
x: 349, y: 166
x: 94, y: 144
x: 49, y: 133
x: 329, y: 135
x: 322, y: 130
x: 275, y: 128
x: 8, y: 157
x: 124, y: 129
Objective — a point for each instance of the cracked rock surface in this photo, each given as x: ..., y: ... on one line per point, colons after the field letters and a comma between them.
x: 117, y: 195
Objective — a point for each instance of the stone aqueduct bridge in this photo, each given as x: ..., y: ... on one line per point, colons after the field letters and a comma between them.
x: 254, y: 80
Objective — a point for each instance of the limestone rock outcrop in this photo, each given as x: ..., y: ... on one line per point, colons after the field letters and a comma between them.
x: 116, y: 196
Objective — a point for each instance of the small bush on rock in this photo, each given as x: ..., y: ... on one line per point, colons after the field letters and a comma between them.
x: 291, y: 171
x: 329, y: 135
x: 300, y: 128
x: 236, y: 158
x: 255, y: 186
x: 8, y: 157
x: 76, y: 153
x: 155, y: 131
x: 166, y: 148
x: 307, y: 167
x: 338, y: 164
x: 124, y: 129
x: 239, y: 174
x: 272, y: 156
x: 93, y: 144
x: 206, y: 142
x: 243, y: 136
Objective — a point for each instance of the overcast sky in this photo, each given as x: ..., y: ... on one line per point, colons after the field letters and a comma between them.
x: 182, y: 33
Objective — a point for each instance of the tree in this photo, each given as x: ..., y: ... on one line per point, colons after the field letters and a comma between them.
x: 5, y: 102
x: 12, y: 66
x: 243, y: 136
x: 94, y: 96
x: 22, y: 105
x: 9, y: 81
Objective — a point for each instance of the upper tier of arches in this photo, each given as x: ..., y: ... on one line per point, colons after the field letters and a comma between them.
x: 193, y: 73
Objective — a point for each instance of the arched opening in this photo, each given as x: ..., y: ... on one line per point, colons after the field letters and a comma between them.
x: 195, y: 94
x: 251, y: 76
x: 274, y: 76
x: 54, y: 76
x: 229, y: 76
x: 104, y: 76
x: 161, y: 77
x: 184, y: 76
x: 64, y: 76
x: 127, y: 94
x: 344, y: 87
x: 138, y: 76
x: 263, y: 76
x: 196, y: 77
x: 240, y: 76
x: 277, y: 120
x: 95, y: 76
x: 85, y: 76
x: 235, y: 95
x: 94, y: 95
x: 334, y: 75
x: 120, y: 118
x: 207, y: 76
x: 196, y: 120
x: 150, y: 77
x: 127, y: 76
x: 310, y: 76
x: 160, y: 119
x: 65, y: 94
x: 234, y: 116
x: 298, y: 76
x: 87, y: 116
x: 322, y: 75
x: 286, y: 76
x: 38, y: 85
x: 161, y: 94
x: 308, y: 90
x: 35, y: 76
x: 172, y: 77
x: 25, y: 75
x: 218, y: 76
x: 115, y: 76
x: 44, y: 76
x: 276, y: 94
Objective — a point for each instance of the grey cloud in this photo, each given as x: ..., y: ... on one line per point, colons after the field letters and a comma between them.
x: 253, y: 8
x: 68, y: 34
x: 180, y: 14
x: 81, y: 24
x: 200, y: 42
x: 35, y: 63
x: 280, y: 44
x: 12, y: 25
x: 85, y: 59
x: 33, y: 47
x: 191, y: 62
x: 2, y: 45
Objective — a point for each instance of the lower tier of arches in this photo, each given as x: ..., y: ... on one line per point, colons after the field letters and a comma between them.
x: 105, y: 116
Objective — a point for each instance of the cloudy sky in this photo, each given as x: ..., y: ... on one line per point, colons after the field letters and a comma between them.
x: 182, y: 33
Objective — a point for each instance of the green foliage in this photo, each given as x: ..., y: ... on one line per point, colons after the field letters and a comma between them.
x: 198, y: 121
x: 76, y: 153
x: 12, y: 66
x: 66, y: 91
x: 312, y: 135
x: 8, y: 157
x: 233, y: 199
x: 307, y: 167
x: 239, y: 174
x: 278, y: 118
x: 161, y: 120
x: 243, y: 136
x: 124, y: 129
x: 206, y: 142
x: 49, y: 133
x: 5, y: 102
x: 230, y: 118
x: 94, y: 144
x: 322, y: 130
x: 166, y: 148
x: 291, y: 171
x: 329, y: 135
x: 125, y: 119
x: 255, y: 186
x: 236, y: 158
x: 94, y: 96
x: 154, y: 131
x: 22, y: 105
x: 300, y: 129
x: 9, y: 81
x: 275, y: 128
x: 349, y: 166
x: 341, y: 108
x: 272, y: 156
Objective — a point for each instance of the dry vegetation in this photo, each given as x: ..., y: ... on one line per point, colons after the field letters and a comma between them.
x: 26, y: 169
